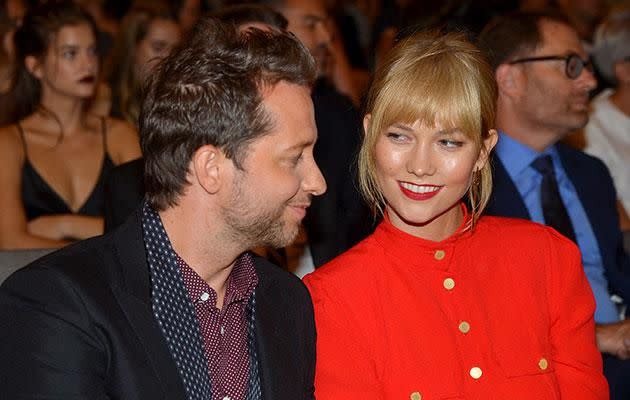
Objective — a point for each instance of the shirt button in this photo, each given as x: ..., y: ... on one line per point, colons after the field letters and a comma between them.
x: 415, y: 396
x: 449, y: 283
x: 204, y: 296
x: 543, y: 364
x: 475, y: 372
x: 222, y: 329
x: 439, y: 255
x: 464, y: 327
x: 227, y: 398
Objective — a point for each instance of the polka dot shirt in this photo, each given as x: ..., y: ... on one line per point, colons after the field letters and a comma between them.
x: 224, y: 331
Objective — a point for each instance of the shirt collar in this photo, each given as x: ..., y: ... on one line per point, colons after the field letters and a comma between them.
x: 412, y: 250
x: 517, y: 157
x: 239, y: 287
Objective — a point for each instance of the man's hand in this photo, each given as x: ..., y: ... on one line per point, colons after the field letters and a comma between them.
x: 614, y: 339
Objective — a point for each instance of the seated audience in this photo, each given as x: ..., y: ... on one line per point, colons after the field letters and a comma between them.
x: 172, y: 305
x: 146, y: 36
x: 124, y: 189
x: 543, y: 75
x: 608, y: 129
x: 440, y: 301
x: 54, y: 155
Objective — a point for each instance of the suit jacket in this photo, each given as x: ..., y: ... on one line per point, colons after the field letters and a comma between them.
x: 79, y: 324
x: 596, y: 192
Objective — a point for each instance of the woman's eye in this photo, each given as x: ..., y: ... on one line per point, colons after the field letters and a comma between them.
x: 69, y: 54
x: 159, y: 47
x: 450, y: 143
x: 397, y: 137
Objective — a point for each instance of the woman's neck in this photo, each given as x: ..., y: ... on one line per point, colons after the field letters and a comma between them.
x: 68, y: 112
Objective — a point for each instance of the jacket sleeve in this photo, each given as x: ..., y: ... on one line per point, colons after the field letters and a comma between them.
x: 345, y: 368
x: 577, y: 362
x: 47, y: 347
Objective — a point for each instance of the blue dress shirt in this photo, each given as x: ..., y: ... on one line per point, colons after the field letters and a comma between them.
x: 517, y: 159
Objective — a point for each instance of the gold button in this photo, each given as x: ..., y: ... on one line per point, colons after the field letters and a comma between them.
x: 439, y: 255
x: 449, y: 283
x: 415, y: 396
x: 476, y: 372
x: 543, y: 364
x: 464, y: 327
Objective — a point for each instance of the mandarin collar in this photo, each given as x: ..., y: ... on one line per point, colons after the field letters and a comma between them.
x: 413, y: 250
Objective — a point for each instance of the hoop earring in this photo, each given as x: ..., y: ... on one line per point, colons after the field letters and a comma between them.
x: 473, y: 190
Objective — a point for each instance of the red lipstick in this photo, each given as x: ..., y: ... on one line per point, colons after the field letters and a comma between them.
x: 420, y: 196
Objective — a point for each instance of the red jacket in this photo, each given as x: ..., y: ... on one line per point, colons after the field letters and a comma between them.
x: 500, y: 312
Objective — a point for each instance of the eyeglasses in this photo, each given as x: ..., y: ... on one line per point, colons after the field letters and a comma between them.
x: 574, y: 64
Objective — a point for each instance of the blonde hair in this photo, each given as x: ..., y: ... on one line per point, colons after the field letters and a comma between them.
x: 432, y: 77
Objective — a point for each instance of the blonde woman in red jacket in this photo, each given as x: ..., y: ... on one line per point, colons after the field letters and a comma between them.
x: 441, y: 302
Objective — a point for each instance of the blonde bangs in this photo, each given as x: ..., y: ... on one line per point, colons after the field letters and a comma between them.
x: 433, y: 79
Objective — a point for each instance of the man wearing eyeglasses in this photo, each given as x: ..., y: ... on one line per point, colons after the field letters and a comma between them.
x: 544, y: 79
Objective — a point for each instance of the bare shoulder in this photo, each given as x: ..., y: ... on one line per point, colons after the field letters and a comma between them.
x: 123, y: 142
x: 11, y: 146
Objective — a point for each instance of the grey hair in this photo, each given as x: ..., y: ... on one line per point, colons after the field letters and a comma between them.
x: 611, y: 44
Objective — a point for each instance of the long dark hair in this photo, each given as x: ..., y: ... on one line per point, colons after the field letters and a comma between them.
x: 33, y: 38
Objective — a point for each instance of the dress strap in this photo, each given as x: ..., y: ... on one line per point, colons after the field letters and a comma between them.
x: 104, y: 133
x: 22, y: 137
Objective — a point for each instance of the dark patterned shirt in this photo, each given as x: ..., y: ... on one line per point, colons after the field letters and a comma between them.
x: 224, y: 331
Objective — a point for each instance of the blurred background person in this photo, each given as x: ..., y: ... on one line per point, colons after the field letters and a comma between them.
x: 544, y: 79
x: 54, y: 154
x: 607, y: 133
x: 584, y: 16
x: 147, y: 35
x: 11, y: 15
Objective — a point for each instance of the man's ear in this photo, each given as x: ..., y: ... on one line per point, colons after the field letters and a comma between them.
x: 508, y: 79
x: 34, y: 66
x: 486, y: 147
x: 208, y: 167
x: 366, y: 123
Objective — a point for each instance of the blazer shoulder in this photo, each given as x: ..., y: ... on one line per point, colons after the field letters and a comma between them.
x: 278, y: 280
x: 77, y: 265
x: 570, y: 154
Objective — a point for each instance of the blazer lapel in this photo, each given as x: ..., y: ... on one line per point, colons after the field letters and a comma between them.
x: 505, y: 200
x: 581, y: 178
x: 134, y: 297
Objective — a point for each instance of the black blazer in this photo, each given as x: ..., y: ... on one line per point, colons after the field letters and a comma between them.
x: 596, y: 192
x: 78, y: 324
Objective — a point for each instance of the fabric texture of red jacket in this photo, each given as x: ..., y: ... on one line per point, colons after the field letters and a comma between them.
x: 502, y: 311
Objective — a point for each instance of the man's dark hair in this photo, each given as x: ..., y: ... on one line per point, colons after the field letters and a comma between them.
x: 518, y: 33
x: 249, y: 13
x: 209, y: 91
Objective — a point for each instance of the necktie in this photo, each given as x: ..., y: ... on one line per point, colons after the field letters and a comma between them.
x: 554, y: 211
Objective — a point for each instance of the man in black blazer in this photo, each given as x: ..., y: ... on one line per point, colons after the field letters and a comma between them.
x: 171, y: 305
x: 543, y: 82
